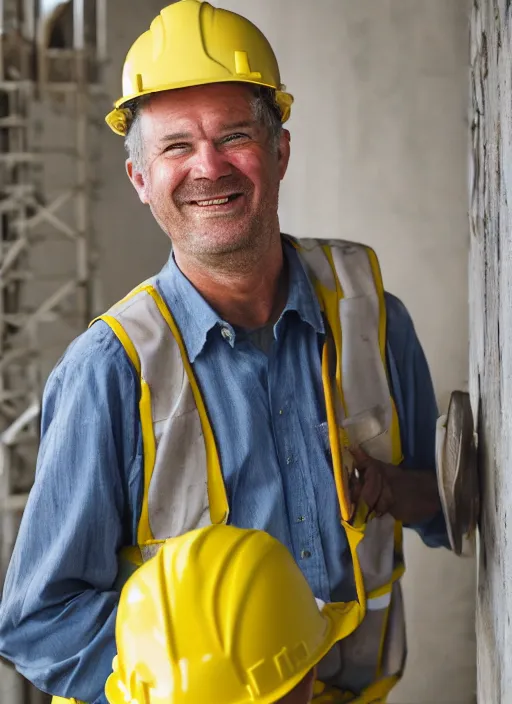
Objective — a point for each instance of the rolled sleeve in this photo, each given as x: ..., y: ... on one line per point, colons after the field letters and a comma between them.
x: 416, y: 404
x: 57, y: 615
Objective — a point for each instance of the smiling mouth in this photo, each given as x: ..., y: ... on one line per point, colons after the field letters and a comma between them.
x: 216, y: 201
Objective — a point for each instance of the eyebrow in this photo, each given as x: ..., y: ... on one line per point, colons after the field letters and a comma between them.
x: 238, y: 125
x: 175, y: 136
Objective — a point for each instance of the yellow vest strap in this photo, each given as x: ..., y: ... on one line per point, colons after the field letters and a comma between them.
x: 219, y: 507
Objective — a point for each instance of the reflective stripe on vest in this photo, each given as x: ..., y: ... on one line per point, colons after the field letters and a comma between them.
x: 177, y: 436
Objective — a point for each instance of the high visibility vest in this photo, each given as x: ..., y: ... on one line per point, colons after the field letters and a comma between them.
x: 183, y: 481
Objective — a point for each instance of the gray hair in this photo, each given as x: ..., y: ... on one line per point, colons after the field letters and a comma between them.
x: 133, y: 142
x: 266, y: 110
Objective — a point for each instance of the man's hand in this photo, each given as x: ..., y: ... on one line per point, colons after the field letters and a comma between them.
x: 409, y: 495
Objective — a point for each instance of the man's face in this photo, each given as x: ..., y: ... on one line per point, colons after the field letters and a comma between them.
x: 211, y: 174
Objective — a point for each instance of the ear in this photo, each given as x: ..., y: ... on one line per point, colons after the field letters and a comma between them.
x: 283, y: 152
x: 138, y: 181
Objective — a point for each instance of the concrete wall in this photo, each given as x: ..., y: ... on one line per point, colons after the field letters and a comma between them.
x: 379, y: 155
x: 491, y: 322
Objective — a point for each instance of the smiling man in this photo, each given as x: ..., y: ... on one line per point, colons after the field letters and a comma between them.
x: 209, y: 161
x: 256, y: 380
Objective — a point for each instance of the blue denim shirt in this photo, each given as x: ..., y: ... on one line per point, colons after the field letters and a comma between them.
x: 58, y: 610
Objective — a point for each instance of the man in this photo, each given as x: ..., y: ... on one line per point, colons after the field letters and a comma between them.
x: 230, y: 387
x: 235, y: 622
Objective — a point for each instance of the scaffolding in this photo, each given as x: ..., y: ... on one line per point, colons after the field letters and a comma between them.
x: 51, y: 59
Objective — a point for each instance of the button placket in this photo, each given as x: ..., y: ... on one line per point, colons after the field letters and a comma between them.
x: 307, y: 548
x: 301, y: 509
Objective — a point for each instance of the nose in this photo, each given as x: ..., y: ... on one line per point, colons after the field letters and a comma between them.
x: 209, y: 163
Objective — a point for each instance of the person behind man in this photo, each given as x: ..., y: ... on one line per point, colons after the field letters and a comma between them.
x: 221, y: 615
x: 228, y: 388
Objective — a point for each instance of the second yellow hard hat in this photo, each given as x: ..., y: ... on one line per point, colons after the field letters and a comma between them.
x: 220, y: 615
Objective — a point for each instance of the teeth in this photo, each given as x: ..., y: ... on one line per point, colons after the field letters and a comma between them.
x: 217, y: 201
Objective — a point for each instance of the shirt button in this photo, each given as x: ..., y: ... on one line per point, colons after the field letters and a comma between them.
x: 301, y: 519
x: 289, y: 460
x: 226, y: 333
x: 305, y: 554
x: 281, y: 411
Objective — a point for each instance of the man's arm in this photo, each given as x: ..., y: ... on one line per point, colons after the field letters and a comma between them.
x: 408, y: 492
x: 58, y: 610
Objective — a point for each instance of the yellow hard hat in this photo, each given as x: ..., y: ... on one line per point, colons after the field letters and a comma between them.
x: 221, y: 615
x: 191, y: 43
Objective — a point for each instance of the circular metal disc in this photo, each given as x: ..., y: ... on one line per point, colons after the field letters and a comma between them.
x: 457, y: 476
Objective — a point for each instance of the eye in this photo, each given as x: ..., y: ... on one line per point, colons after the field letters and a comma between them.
x: 177, y: 147
x: 236, y: 137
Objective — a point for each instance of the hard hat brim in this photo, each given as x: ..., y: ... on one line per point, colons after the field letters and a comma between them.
x: 119, y: 118
x: 115, y: 689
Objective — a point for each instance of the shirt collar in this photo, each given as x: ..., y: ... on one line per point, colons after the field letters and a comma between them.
x: 195, y: 317
x: 301, y: 295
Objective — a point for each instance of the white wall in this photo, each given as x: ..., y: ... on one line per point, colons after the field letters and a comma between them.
x: 379, y: 155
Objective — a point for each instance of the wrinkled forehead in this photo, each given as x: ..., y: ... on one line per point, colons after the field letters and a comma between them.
x: 208, y: 105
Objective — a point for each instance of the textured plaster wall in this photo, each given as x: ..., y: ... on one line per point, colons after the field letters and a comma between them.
x: 491, y: 320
